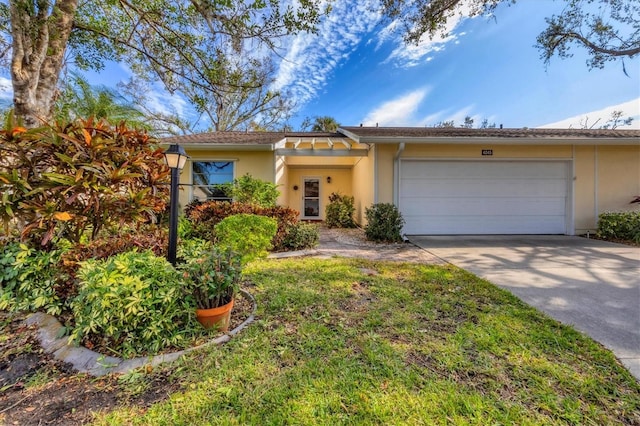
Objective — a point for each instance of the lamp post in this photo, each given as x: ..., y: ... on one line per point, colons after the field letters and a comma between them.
x: 175, y: 157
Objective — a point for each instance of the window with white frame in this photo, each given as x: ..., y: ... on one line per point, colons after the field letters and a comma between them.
x: 208, y: 178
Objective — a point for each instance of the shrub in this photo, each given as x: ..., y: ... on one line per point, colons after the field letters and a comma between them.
x: 213, y: 278
x: 384, y: 223
x: 133, y: 301
x: 206, y: 215
x: 30, y: 279
x: 339, y: 212
x: 249, y: 235
x: 620, y: 225
x: 151, y: 238
x: 74, y: 179
x: 250, y: 190
x: 301, y: 236
x: 192, y: 249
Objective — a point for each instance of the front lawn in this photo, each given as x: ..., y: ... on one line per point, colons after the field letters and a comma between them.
x: 355, y: 342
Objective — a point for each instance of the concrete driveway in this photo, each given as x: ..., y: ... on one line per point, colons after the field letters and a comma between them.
x: 589, y: 284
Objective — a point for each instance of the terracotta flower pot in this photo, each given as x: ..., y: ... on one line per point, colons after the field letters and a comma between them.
x: 215, y: 317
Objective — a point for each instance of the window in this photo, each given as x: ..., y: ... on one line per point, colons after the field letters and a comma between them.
x: 207, y: 178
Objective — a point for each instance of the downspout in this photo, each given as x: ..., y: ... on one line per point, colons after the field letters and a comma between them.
x: 596, y: 210
x: 396, y: 175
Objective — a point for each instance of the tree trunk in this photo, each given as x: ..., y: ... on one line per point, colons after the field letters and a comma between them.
x: 40, y: 31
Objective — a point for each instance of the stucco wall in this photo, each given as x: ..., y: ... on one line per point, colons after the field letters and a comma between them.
x: 607, y: 178
x: 384, y: 172
x: 363, y: 181
x: 282, y: 180
x: 260, y: 165
x: 584, y: 189
x: 340, y: 182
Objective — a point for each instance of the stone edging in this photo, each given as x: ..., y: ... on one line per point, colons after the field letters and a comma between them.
x: 87, y: 361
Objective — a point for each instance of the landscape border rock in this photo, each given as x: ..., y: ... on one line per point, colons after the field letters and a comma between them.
x: 83, y: 360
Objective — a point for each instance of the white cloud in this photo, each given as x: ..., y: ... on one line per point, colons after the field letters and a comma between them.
x: 6, y: 89
x: 411, y: 55
x: 397, y: 112
x: 600, y: 117
x: 160, y: 101
x: 311, y: 58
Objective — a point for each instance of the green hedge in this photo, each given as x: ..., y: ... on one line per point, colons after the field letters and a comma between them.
x: 248, y: 235
x: 31, y: 279
x: 134, y: 302
x: 204, y: 216
x: 339, y: 212
x: 620, y: 226
x: 384, y: 223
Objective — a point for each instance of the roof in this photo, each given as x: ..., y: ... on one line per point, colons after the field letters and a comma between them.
x: 415, y: 134
x: 227, y: 138
x: 368, y: 135
x: 244, y: 138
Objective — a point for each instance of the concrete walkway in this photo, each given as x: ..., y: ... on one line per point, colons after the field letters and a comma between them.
x: 589, y: 284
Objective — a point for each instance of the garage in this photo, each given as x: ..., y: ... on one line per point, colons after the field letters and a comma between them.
x: 483, y: 197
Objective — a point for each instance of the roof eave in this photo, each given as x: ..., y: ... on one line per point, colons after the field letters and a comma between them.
x: 467, y: 140
x: 224, y: 147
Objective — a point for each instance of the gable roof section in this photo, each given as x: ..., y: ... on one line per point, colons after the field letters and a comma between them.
x: 283, y: 143
x: 227, y: 140
x: 499, y: 136
x: 288, y: 142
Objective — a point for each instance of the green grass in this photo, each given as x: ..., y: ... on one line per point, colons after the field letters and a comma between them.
x: 410, y: 345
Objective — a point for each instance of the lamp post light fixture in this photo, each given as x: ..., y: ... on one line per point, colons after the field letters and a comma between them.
x: 175, y: 157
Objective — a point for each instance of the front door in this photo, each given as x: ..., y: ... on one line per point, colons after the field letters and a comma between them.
x: 311, y: 198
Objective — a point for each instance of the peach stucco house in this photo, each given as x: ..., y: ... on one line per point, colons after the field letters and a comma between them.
x: 444, y: 180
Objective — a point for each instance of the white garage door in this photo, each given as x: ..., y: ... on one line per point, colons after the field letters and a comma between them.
x: 488, y: 197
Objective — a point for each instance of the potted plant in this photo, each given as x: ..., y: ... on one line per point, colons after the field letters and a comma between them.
x: 213, y: 279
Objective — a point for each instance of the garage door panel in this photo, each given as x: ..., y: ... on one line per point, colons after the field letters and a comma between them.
x: 469, y: 225
x: 523, y: 206
x: 483, y: 197
x: 432, y: 170
x: 486, y: 187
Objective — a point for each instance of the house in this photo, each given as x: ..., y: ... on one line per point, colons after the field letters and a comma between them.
x: 444, y: 180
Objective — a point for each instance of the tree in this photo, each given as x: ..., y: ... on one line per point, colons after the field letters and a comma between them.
x: 320, y: 124
x: 80, y: 100
x: 612, y: 123
x: 246, y: 101
x: 486, y: 125
x: 607, y: 29
x: 191, y: 46
x: 450, y: 123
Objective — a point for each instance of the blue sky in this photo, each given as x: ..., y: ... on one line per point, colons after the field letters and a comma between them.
x: 487, y: 68
x: 358, y: 70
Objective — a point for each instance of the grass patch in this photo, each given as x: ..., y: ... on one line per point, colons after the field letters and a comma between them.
x: 335, y: 344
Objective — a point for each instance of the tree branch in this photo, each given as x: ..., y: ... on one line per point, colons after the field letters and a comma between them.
x: 613, y: 52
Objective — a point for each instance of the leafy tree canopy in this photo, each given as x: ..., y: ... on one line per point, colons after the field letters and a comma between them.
x: 209, y: 50
x: 323, y: 123
x: 607, y: 29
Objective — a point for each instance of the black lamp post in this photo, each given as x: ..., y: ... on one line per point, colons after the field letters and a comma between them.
x: 175, y: 157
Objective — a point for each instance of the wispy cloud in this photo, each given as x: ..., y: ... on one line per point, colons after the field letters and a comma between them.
x: 6, y: 89
x: 397, y: 112
x: 311, y: 58
x: 411, y: 55
x: 600, y: 117
x: 448, y: 115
